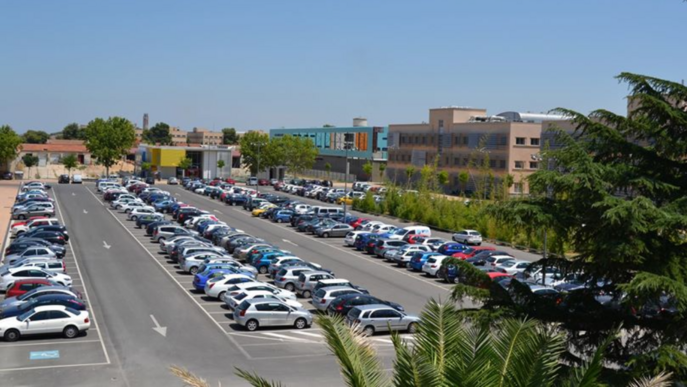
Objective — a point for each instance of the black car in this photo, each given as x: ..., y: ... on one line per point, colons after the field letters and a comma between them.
x: 150, y: 180
x: 54, y: 237
x: 63, y: 179
x: 49, y: 227
x: 343, y: 304
x: 24, y: 243
x: 49, y: 299
x: 7, y: 176
x: 151, y: 226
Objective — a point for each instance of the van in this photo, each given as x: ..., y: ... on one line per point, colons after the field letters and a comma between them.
x: 326, y: 211
x: 76, y: 179
x: 407, y: 232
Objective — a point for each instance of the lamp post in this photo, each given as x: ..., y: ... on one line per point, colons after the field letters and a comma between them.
x: 345, y: 176
x: 549, y: 194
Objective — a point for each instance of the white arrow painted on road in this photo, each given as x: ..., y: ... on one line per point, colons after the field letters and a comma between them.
x: 73, y: 194
x: 289, y: 242
x: 158, y: 328
x: 218, y: 211
x: 105, y: 245
x: 85, y: 212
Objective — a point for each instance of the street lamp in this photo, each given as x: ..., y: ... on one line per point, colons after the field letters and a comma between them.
x: 549, y: 194
x: 345, y: 176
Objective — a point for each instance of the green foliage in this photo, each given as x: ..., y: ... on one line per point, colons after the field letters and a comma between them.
x: 158, y: 134
x: 146, y: 166
x: 229, y: 136
x: 73, y: 132
x: 70, y: 162
x: 367, y: 168
x: 109, y: 140
x: 255, y: 151
x: 442, y: 178
x: 185, y: 163
x: 35, y: 137
x: 328, y: 168
x: 220, y: 164
x: 29, y: 162
x: 9, y: 143
x: 295, y: 153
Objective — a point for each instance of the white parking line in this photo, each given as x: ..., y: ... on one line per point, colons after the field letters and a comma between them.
x: 243, y: 351
x: 289, y: 338
x: 52, y: 366
x: 48, y: 343
x: 85, y: 291
x: 308, y: 334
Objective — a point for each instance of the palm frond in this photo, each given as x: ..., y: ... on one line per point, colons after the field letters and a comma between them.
x: 189, y: 378
x: 255, y: 380
x: 660, y: 380
x: 411, y: 368
x: 355, y: 354
x: 588, y: 374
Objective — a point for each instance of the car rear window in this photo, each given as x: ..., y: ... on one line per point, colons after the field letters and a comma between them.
x: 241, y: 296
x: 354, y: 313
x: 281, y: 272
x: 243, y: 306
x: 301, y: 277
x: 431, y: 260
x: 320, y: 293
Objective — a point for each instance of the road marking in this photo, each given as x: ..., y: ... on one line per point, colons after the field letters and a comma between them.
x: 105, y: 245
x: 158, y: 328
x: 52, y: 366
x: 217, y: 211
x: 84, y: 211
x: 42, y: 355
x: 289, y: 338
x: 308, y: 334
x: 289, y: 242
x: 85, y: 292
x: 73, y: 194
x: 241, y: 349
x: 50, y: 343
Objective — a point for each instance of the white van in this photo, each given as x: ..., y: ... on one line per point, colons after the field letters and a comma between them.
x: 76, y: 179
x: 407, y: 232
x: 326, y: 211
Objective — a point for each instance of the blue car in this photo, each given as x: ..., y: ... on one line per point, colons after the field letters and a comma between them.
x: 282, y: 216
x: 451, y: 248
x: 235, y: 199
x: 361, y: 241
x: 419, y: 259
x: 163, y: 206
x: 200, y: 279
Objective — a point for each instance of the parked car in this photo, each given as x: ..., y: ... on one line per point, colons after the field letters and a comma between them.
x: 307, y: 281
x: 172, y: 181
x: 264, y: 295
x: 432, y: 265
x: 8, y: 277
x: 52, y: 288
x: 381, y: 318
x: 24, y: 286
x: 468, y: 237
x: 324, y: 296
x: 287, y: 277
x: 256, y: 313
x: 77, y: 179
x: 46, y: 319
x: 343, y: 304
x: 63, y: 179
x: 48, y: 299
x: 336, y: 230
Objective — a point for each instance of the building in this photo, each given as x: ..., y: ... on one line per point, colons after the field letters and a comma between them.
x: 205, y: 137
x: 179, y: 137
x: 366, y: 143
x: 165, y: 159
x: 53, y: 151
x: 462, y: 139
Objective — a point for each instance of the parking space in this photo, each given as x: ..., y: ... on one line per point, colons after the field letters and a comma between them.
x: 54, y: 351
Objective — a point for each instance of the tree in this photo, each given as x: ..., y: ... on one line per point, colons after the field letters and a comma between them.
x: 29, y: 161
x: 229, y: 136
x: 367, y: 169
x: 109, y: 140
x: 35, y: 137
x: 328, y: 126
x: 220, y: 165
x: 9, y: 143
x: 382, y: 168
x: 70, y: 162
x: 158, y: 134
x: 410, y: 172
x: 448, y: 351
x: 184, y: 164
x: 328, y: 169
x: 442, y: 178
x: 613, y: 193
x: 296, y: 153
x: 146, y: 166
x: 73, y: 132
x: 254, y: 151
x: 463, y: 178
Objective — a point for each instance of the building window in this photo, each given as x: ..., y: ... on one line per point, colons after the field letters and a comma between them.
x: 517, y: 187
x: 520, y: 141
x: 504, y: 140
x: 424, y: 140
x: 534, y: 165
x: 465, y: 161
x: 492, y: 163
x: 456, y: 161
x: 465, y: 140
x: 534, y: 141
x: 519, y: 164
x: 441, y: 124
x: 502, y: 164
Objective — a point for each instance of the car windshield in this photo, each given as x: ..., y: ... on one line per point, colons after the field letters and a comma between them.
x: 25, y: 315
x: 241, y: 296
x: 400, y: 231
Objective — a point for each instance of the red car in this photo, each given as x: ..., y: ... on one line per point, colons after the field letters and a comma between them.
x: 496, y: 277
x: 263, y: 182
x: 22, y: 286
x: 471, y: 251
x: 356, y: 223
x: 230, y: 180
x: 413, y: 238
x: 24, y: 222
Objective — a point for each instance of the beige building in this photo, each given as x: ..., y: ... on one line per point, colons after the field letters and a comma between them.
x: 205, y: 137
x: 467, y: 139
x: 179, y: 137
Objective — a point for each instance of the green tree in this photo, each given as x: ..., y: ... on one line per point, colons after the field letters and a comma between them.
x: 158, y: 134
x: 367, y: 169
x: 29, y: 161
x: 328, y: 126
x: 184, y: 164
x: 73, y: 132
x: 35, y: 137
x: 229, y: 136
x: 410, y: 172
x: 255, y: 152
x: 9, y: 143
x: 296, y: 153
x: 463, y: 178
x: 328, y: 169
x: 70, y: 162
x: 220, y: 164
x: 109, y: 140
x: 442, y: 178
x: 614, y: 193
x: 146, y: 166
x: 382, y: 168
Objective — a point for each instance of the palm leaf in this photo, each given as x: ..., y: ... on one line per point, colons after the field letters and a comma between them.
x: 358, y: 360
x: 189, y: 378
x: 660, y: 380
x: 255, y: 380
x: 588, y: 374
x: 411, y: 368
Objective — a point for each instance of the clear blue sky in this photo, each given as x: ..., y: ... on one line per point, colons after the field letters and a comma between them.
x: 268, y: 64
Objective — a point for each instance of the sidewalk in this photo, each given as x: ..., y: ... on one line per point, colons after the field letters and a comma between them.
x: 8, y: 191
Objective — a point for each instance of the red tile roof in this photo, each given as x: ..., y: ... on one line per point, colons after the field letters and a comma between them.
x: 64, y: 148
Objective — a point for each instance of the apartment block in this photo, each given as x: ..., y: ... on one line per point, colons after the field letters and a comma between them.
x: 466, y: 139
x: 205, y: 137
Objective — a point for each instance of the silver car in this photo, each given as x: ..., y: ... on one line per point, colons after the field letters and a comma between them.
x: 256, y: 313
x: 336, y: 230
x: 381, y: 318
x: 308, y: 280
x: 324, y: 296
x: 287, y: 277
x: 36, y: 209
x: 170, y: 231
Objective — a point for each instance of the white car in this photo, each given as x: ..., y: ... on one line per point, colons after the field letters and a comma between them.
x: 121, y: 202
x: 513, y: 267
x: 468, y: 237
x: 432, y: 265
x: 249, y: 295
x: 128, y: 207
x: 136, y: 212
x: 31, y: 252
x: 349, y: 240
x: 301, y: 209
x: 10, y: 276
x: 52, y: 266
x: 18, y: 230
x: 383, y: 228
x: 233, y: 297
x: 217, y: 287
x: 46, y: 319
x: 370, y: 225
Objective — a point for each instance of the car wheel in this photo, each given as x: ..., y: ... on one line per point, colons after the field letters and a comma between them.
x: 455, y: 280
x: 369, y: 330
x: 289, y: 287
x: 160, y: 239
x: 21, y: 217
x: 222, y: 295
x: 70, y: 332
x: 193, y: 270
x: 306, y: 294
x: 301, y: 323
x: 263, y: 270
x: 412, y: 328
x: 252, y: 325
x: 134, y: 218
x: 278, y: 220
x: 12, y: 335
x: 325, y: 235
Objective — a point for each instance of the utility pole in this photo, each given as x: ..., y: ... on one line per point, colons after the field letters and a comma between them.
x: 345, y: 176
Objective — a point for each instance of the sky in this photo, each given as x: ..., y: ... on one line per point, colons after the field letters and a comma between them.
x: 303, y: 63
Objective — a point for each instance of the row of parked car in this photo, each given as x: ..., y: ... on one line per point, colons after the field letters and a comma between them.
x: 39, y: 298
x: 226, y: 264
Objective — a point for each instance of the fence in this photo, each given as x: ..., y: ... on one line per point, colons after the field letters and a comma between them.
x: 324, y: 175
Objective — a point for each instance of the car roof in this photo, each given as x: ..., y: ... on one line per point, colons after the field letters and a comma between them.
x: 337, y: 288
x: 373, y: 307
x: 44, y: 308
x: 262, y: 301
x: 332, y: 280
